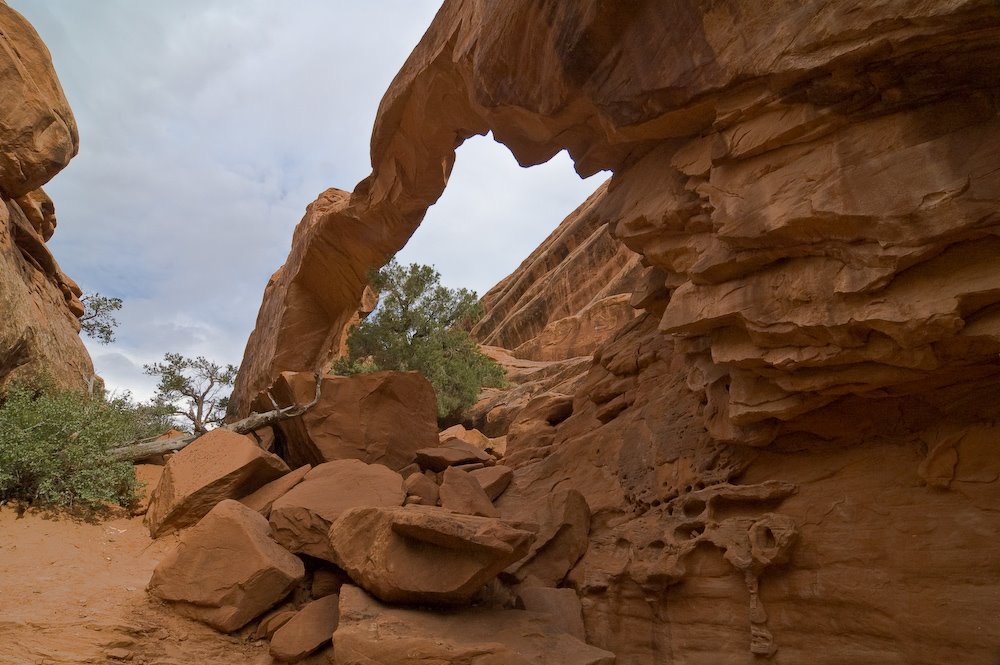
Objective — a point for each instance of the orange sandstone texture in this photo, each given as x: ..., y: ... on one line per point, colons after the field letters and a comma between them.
x: 569, y: 296
x: 788, y: 452
x: 379, y: 418
x: 38, y: 136
x: 218, y: 465
x: 226, y: 570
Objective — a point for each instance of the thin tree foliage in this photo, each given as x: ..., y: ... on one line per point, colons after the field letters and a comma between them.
x: 97, y: 321
x: 196, y: 390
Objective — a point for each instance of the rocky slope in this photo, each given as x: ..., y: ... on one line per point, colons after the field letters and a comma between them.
x: 789, y: 453
x: 38, y: 136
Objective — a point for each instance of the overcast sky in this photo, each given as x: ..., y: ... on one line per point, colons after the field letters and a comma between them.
x: 207, y: 126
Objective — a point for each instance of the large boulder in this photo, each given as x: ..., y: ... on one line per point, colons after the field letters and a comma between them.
x: 301, y: 518
x: 307, y: 631
x: 264, y: 498
x: 219, y: 465
x: 38, y: 134
x: 461, y: 493
x: 471, y: 436
x: 379, y: 418
x: 39, y: 329
x: 226, y: 570
x: 370, y: 632
x: 424, y: 555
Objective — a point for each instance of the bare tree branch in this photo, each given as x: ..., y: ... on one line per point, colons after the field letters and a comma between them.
x: 148, y: 448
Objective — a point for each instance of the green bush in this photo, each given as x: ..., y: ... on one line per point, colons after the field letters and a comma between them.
x: 54, y: 443
x: 418, y: 325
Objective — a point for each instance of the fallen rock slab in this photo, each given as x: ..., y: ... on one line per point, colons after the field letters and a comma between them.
x: 493, y: 479
x: 423, y: 488
x: 370, y: 632
x: 461, y: 493
x: 264, y: 498
x: 439, y: 458
x: 560, y: 542
x: 226, y: 570
x: 309, y: 630
x: 301, y: 518
x: 420, y: 554
x: 378, y: 418
x: 219, y: 465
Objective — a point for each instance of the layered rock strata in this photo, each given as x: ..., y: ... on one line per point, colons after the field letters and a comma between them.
x: 788, y: 451
x: 38, y: 136
x: 568, y: 297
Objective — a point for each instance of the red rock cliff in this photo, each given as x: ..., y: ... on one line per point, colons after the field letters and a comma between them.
x: 790, y: 452
x: 568, y: 297
x: 39, y: 330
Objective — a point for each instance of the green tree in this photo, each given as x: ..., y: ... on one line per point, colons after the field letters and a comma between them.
x: 97, y: 321
x: 54, y: 443
x: 194, y: 389
x: 418, y: 325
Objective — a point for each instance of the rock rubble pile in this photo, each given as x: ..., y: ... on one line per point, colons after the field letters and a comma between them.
x: 315, y: 558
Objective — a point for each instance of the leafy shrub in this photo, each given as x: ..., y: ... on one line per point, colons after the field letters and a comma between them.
x: 54, y: 443
x: 418, y: 325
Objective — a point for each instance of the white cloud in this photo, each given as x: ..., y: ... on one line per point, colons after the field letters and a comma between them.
x: 206, y: 128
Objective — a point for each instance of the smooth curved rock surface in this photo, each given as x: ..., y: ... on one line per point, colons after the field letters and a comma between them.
x: 39, y: 333
x: 38, y: 135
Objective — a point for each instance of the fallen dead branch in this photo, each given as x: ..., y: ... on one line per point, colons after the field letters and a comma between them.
x: 154, y: 446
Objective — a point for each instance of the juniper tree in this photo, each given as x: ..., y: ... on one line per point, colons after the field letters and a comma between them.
x: 420, y: 325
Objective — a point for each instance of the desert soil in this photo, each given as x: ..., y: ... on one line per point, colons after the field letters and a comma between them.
x: 74, y: 592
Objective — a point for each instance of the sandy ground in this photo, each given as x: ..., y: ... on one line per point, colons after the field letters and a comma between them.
x: 73, y: 592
